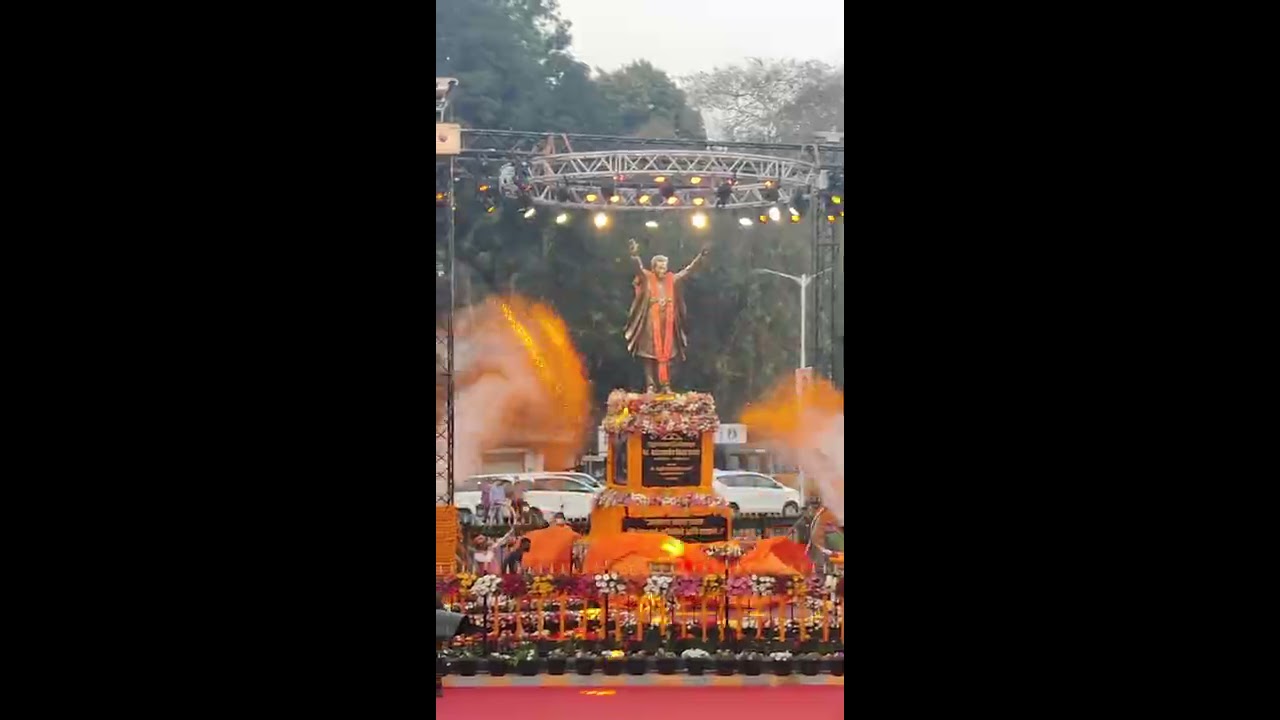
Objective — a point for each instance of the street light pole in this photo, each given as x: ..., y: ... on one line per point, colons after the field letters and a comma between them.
x: 803, y: 281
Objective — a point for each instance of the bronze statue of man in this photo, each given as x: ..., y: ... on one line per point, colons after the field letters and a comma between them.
x: 656, y: 321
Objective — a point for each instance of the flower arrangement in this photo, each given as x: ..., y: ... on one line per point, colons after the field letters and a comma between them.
x: 739, y: 586
x: 816, y: 585
x: 485, y: 586
x: 465, y: 581
x: 543, y: 586
x: 762, y: 584
x: 711, y: 584
x: 514, y: 585
x: 829, y: 584
x: 797, y: 586
x: 695, y: 653
x: 658, y: 586
x: 686, y: 587
x: 584, y: 586
x: 690, y: 413
x: 780, y: 656
x: 610, y: 584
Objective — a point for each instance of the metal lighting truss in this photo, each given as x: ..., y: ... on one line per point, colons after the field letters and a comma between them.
x: 565, y: 179
x: 443, y: 267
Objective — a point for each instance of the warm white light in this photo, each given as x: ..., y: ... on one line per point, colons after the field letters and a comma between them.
x: 601, y: 220
x: 699, y: 220
x: 562, y: 218
x: 530, y: 213
x: 744, y: 222
x: 775, y: 214
x: 651, y: 224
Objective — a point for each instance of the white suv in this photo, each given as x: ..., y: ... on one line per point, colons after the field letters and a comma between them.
x: 547, y: 494
x: 750, y: 492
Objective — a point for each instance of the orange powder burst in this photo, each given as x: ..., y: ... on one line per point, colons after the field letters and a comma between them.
x: 519, y: 383
x: 809, y: 426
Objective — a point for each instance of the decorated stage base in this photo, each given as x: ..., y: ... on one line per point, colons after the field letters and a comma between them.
x: 659, y: 468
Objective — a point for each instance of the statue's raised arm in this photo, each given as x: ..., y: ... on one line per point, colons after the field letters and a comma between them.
x: 689, y: 268
x: 634, y: 248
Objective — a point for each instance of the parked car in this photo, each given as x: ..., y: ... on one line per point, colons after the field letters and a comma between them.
x: 584, y: 478
x: 750, y: 492
x: 546, y: 494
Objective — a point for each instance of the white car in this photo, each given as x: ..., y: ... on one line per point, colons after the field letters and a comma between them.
x: 750, y: 492
x: 546, y: 493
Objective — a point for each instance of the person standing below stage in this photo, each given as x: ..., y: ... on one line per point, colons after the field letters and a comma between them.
x: 655, y: 330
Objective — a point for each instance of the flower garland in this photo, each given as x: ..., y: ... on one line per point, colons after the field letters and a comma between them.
x: 619, y: 498
x: 690, y: 413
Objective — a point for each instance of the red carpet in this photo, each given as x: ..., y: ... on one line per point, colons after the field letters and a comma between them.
x: 643, y: 703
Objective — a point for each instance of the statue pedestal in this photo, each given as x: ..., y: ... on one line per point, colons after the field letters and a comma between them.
x: 659, y: 469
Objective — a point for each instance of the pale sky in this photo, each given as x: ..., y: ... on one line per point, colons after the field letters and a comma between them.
x: 683, y: 37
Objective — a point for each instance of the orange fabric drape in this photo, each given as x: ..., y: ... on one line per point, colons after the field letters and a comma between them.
x: 663, y: 335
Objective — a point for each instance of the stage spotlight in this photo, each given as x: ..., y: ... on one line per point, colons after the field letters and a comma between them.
x: 530, y: 213
x: 601, y: 220
x: 483, y: 187
x: 764, y: 219
x: 831, y: 218
x: 660, y: 179
x: 699, y: 220
x: 698, y: 201
x: 440, y: 198
x: 651, y: 224
x: 770, y: 191
x: 744, y: 222
x: 592, y: 197
x: 723, y: 194
x: 836, y: 199
x: 644, y: 200
x: 673, y: 200
x: 695, y: 180
x: 562, y: 218
x: 775, y: 214
x: 795, y: 216
x: 615, y: 198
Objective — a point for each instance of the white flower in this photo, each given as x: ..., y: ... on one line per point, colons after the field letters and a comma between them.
x: 780, y: 656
